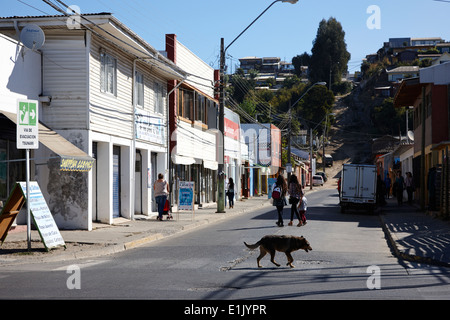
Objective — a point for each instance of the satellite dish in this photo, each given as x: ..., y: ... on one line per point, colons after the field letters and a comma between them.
x: 411, y: 135
x: 32, y: 37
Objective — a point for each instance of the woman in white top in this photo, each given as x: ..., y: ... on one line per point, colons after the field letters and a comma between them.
x: 161, y: 188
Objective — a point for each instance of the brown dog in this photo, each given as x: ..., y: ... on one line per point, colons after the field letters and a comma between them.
x: 287, y: 244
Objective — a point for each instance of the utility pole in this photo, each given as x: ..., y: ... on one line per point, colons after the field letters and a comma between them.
x: 221, y: 166
x: 311, y: 157
x: 323, y: 144
x: 422, y: 154
x: 221, y: 173
x: 288, y: 163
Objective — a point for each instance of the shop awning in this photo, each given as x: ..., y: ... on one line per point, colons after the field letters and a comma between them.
x: 177, y: 159
x: 209, y: 164
x: 71, y: 157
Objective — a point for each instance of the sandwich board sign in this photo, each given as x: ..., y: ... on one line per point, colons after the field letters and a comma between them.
x: 27, y: 124
x: 40, y: 213
x: 186, y: 193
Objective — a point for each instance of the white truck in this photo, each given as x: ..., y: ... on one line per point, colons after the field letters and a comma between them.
x: 358, y: 187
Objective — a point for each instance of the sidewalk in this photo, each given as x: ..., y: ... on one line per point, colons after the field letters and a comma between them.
x: 122, y: 235
x: 413, y: 235
x: 416, y: 236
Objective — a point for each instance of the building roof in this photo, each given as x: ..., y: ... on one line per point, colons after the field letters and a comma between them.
x: 427, y: 38
x: 106, y: 26
x: 300, y: 153
x: 438, y: 74
x: 404, y: 69
x: 407, y: 94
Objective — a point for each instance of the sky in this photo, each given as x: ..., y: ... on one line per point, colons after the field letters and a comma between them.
x: 284, y: 31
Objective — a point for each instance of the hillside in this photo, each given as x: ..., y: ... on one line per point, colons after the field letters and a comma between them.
x: 350, y: 136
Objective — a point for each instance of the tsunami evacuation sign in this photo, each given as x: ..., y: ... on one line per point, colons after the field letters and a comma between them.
x: 27, y: 125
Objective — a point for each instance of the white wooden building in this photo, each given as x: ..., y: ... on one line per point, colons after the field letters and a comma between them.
x: 107, y: 93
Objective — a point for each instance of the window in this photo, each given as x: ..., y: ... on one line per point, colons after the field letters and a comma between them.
x: 185, y: 103
x: 188, y: 104
x: 159, y: 103
x: 200, y: 108
x: 139, y: 87
x: 108, y: 74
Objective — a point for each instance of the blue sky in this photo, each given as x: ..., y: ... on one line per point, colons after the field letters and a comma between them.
x: 284, y: 31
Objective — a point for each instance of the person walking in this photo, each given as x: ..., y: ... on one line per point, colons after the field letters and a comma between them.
x: 302, y: 206
x: 380, y: 191
x: 409, y: 183
x: 161, y: 191
x: 230, y: 192
x: 295, y: 194
x: 387, y: 181
x: 279, y: 191
x: 399, y: 187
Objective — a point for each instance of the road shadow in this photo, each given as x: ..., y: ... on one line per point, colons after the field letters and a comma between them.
x: 325, y: 213
x: 261, y: 279
x: 418, y: 234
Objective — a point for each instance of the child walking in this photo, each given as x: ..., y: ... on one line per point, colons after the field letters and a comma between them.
x: 302, y: 210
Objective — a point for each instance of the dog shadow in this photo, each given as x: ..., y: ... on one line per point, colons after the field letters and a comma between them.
x: 249, y: 228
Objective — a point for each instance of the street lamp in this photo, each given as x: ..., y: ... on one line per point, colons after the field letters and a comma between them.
x: 223, y: 49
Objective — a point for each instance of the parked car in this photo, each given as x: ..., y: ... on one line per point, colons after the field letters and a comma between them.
x: 324, y: 175
x: 317, y: 180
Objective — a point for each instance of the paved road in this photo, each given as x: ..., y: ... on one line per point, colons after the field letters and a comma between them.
x: 350, y: 254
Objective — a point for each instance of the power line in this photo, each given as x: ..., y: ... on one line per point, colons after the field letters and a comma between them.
x: 151, y: 56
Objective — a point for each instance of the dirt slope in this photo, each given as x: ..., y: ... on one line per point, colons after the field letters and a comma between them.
x: 349, y: 137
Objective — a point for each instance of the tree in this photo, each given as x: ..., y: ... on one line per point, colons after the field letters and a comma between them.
x: 315, y: 106
x: 387, y: 119
x: 302, y: 60
x: 329, y: 53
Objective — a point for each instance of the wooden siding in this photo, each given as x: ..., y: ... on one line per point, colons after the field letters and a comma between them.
x: 65, y: 80
x: 113, y: 114
x: 196, y: 143
x: 110, y: 114
x: 189, y: 62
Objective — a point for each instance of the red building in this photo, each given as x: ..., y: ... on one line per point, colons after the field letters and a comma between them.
x: 429, y: 95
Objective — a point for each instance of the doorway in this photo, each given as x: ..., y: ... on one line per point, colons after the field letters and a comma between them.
x: 153, y: 178
x: 116, y: 182
x: 138, y: 183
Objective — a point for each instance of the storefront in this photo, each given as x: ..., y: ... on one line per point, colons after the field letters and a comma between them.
x: 11, y: 168
x: 232, y: 151
x: 57, y: 165
x: 193, y: 125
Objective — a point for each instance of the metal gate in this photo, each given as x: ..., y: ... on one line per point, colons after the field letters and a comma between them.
x: 116, y: 182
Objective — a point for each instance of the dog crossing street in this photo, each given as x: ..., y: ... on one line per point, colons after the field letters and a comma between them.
x: 350, y: 259
x: 272, y: 243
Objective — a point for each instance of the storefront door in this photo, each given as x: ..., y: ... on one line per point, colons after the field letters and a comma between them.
x: 116, y: 182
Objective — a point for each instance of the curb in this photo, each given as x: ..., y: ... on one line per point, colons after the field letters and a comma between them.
x: 144, y: 238
x: 408, y: 257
